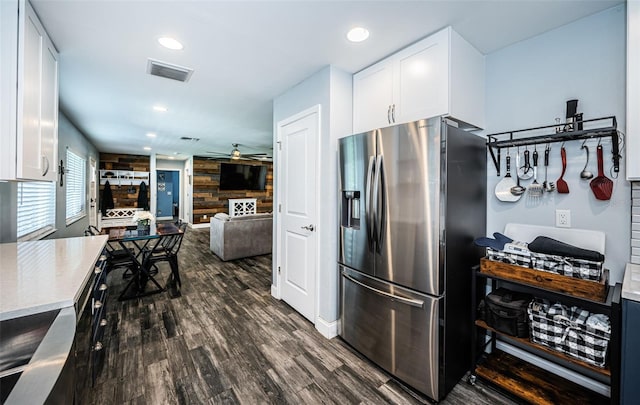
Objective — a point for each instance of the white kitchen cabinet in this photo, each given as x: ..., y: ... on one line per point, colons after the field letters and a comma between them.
x: 439, y: 75
x: 633, y: 90
x: 373, y: 97
x: 29, y: 84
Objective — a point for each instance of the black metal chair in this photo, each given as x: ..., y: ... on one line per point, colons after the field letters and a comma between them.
x: 167, y: 251
x: 116, y: 258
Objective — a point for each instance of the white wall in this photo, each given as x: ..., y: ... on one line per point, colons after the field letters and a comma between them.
x: 528, y: 84
x: 331, y: 88
x: 70, y: 137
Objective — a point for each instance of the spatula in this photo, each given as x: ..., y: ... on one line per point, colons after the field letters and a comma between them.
x: 602, y: 186
x: 535, y: 189
x: 561, y: 184
x: 503, y: 188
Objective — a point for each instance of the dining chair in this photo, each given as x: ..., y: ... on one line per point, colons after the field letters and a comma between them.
x: 167, y: 251
x: 116, y: 257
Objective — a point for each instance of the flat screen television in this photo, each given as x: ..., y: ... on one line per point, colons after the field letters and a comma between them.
x: 242, y: 177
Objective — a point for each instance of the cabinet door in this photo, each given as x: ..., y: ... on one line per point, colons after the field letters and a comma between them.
x: 422, y: 79
x: 30, y: 159
x: 37, y: 136
x: 633, y: 90
x: 373, y: 97
x: 49, y: 110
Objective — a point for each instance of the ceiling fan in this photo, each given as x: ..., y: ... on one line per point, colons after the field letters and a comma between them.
x: 235, y: 154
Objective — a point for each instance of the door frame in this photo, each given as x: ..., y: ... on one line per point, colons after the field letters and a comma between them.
x: 279, y: 175
x: 180, y: 179
x: 93, y: 194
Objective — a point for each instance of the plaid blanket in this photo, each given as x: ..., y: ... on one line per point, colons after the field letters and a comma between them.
x: 565, y: 266
x: 571, y: 330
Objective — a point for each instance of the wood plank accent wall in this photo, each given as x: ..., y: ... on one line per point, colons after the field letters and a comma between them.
x: 112, y: 161
x: 208, y: 199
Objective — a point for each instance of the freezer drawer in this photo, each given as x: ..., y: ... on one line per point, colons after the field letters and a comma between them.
x: 394, y: 327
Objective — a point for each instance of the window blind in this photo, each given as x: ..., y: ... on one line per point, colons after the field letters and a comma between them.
x: 36, y: 209
x: 76, y: 187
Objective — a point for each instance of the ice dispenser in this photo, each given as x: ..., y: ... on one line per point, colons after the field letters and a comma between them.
x: 350, y: 216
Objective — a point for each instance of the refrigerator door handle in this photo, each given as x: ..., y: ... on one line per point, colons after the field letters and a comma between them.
x: 380, y: 210
x: 402, y: 300
x: 367, y: 203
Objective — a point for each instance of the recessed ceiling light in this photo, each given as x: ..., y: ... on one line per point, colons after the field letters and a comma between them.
x: 170, y: 43
x: 146, y: 148
x: 151, y: 135
x: 357, y: 34
x: 160, y: 108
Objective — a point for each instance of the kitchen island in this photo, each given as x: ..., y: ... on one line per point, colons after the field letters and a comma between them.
x: 44, y: 288
x: 44, y: 275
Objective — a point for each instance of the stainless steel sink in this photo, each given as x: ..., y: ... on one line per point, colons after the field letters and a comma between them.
x: 36, y: 356
x: 19, y: 339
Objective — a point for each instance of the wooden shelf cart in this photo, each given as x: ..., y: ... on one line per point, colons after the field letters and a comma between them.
x: 523, y: 380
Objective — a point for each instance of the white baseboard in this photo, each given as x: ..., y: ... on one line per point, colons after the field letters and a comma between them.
x: 274, y: 292
x: 327, y: 329
x: 195, y: 226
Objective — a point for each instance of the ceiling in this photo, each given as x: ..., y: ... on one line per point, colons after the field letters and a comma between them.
x: 244, y: 54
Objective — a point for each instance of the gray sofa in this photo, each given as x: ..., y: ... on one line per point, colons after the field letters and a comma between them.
x: 241, y: 236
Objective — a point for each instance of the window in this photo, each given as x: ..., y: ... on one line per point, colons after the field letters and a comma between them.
x: 76, y: 187
x: 36, y: 209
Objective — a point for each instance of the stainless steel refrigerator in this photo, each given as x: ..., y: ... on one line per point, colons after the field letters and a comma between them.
x: 412, y: 199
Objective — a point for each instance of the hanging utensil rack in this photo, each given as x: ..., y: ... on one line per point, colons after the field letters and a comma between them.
x: 510, y: 139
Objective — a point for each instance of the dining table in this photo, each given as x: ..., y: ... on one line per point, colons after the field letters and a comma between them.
x: 140, y: 242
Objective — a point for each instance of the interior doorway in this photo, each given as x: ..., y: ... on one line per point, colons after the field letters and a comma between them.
x: 297, y: 239
x: 167, y: 194
x: 93, y: 192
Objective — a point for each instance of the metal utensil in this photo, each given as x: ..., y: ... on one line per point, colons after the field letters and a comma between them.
x: 602, y: 186
x: 525, y: 172
x: 561, y: 184
x: 535, y: 189
x: 518, y: 189
x: 585, y: 174
x: 504, y: 186
x: 548, y: 186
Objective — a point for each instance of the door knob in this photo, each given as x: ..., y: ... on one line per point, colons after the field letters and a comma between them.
x: 308, y: 228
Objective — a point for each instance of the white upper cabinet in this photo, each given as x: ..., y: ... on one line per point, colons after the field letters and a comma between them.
x: 633, y: 90
x: 373, y: 96
x: 439, y: 75
x: 29, y: 118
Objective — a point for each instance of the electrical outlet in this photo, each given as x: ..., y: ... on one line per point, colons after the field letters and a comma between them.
x: 563, y: 218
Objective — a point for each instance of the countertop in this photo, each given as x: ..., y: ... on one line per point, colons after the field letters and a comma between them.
x: 631, y: 282
x: 44, y: 275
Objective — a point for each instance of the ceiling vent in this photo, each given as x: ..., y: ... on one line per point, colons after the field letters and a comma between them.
x: 186, y: 138
x: 169, y: 71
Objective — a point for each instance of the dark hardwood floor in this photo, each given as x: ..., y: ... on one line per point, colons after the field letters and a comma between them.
x: 226, y: 340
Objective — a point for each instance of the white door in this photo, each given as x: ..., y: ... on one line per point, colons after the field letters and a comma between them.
x: 298, y: 217
x: 93, y: 193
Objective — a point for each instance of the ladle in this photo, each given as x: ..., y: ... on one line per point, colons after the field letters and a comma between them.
x: 518, y: 189
x: 585, y: 174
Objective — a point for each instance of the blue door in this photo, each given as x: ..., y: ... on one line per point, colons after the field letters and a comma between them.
x: 165, y: 200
